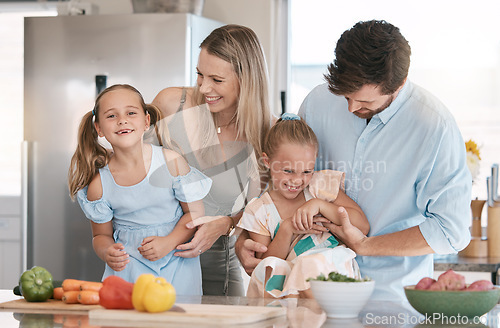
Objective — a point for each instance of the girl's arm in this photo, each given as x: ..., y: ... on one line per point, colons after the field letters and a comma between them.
x: 264, y: 240
x: 280, y: 245
x: 105, y: 247
x: 303, y: 218
x: 102, y: 234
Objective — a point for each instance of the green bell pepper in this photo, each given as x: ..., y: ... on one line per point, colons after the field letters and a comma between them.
x: 36, y: 284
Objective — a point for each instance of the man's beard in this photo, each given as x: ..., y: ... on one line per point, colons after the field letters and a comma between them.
x: 371, y: 113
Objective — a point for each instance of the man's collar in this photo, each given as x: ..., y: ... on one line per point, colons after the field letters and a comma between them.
x: 389, y: 112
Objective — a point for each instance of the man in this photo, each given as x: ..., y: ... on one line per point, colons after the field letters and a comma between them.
x: 403, y: 155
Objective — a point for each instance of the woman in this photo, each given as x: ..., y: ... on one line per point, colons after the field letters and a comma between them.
x: 219, y: 126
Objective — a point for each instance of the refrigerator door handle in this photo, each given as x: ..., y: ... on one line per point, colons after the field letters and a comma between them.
x: 101, y: 82
x: 27, y: 178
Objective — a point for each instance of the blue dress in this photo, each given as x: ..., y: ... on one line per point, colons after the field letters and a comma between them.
x: 149, y: 208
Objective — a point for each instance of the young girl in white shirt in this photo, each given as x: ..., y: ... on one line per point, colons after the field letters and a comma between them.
x: 287, y: 217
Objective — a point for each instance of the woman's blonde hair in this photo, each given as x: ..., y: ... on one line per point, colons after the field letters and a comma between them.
x: 90, y: 155
x: 239, y: 46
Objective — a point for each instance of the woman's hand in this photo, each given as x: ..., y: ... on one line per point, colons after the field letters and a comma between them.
x: 116, y: 257
x: 210, y: 228
x: 345, y: 231
x: 154, y: 248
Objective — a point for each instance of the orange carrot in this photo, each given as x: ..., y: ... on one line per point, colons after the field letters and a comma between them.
x: 71, y: 284
x: 58, y: 293
x: 70, y: 297
x: 91, y: 285
x: 88, y: 297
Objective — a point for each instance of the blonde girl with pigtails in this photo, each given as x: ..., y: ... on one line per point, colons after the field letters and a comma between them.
x: 138, y: 196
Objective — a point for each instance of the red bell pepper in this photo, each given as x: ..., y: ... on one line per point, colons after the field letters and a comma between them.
x: 116, y: 293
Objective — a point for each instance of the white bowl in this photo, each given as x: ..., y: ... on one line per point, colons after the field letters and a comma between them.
x: 342, y: 299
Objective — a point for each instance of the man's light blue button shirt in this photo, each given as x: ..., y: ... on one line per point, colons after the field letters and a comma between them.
x: 405, y: 168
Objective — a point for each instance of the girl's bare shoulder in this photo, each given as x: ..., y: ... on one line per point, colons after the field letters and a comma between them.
x: 94, y: 191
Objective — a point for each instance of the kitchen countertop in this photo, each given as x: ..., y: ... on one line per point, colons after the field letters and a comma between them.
x: 470, y: 264
x: 300, y: 313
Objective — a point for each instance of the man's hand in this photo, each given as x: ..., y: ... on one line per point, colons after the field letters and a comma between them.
x: 346, y: 232
x: 245, y: 250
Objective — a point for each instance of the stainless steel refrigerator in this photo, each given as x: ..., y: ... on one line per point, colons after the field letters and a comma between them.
x: 67, y: 60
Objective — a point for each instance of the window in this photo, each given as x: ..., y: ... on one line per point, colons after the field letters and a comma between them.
x: 11, y: 83
x: 455, y: 55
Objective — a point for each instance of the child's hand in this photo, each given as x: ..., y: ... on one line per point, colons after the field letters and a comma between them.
x: 116, y: 257
x: 315, y: 228
x: 304, y: 216
x: 154, y: 248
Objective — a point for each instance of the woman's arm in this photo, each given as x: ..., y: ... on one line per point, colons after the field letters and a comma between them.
x: 168, y: 100
x: 155, y: 247
x: 209, y: 229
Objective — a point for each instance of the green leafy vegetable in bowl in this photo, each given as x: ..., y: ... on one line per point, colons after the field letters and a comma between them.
x: 338, y: 277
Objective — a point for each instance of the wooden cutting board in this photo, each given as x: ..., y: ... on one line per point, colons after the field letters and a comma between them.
x: 202, y: 314
x: 50, y: 305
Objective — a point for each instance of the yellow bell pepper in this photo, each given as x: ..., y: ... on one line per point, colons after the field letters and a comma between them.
x: 152, y: 294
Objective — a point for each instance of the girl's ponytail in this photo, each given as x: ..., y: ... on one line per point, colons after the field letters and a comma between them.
x: 88, y: 158
x: 162, y: 135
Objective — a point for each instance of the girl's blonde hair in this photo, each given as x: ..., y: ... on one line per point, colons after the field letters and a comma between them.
x: 289, y: 130
x: 90, y: 155
x: 239, y: 46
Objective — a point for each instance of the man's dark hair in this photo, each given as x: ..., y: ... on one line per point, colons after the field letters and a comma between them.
x: 371, y: 52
